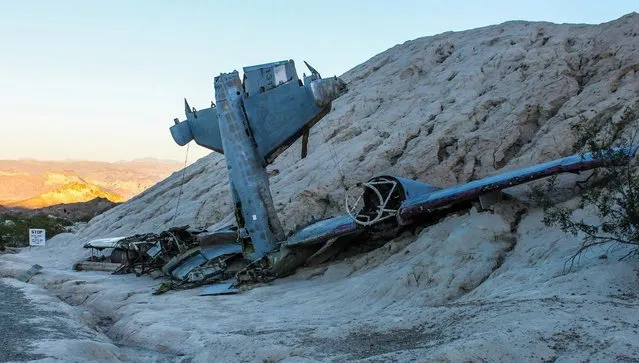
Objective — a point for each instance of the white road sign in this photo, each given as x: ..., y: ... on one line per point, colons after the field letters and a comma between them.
x: 37, y: 237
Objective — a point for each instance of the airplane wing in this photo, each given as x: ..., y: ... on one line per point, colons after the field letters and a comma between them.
x: 324, y: 230
x: 412, y: 208
x: 401, y: 202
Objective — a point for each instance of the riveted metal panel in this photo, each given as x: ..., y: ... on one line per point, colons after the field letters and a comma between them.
x: 201, y: 126
x: 276, y: 128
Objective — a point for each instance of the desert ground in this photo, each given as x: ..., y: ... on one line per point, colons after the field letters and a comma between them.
x: 477, y: 286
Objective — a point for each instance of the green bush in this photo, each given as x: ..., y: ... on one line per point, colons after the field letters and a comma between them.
x: 14, y: 228
x: 613, y: 191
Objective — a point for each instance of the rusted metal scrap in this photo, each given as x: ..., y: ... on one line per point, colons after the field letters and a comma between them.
x: 187, y: 257
x: 139, y: 254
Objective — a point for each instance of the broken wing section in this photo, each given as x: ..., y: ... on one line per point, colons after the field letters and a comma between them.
x: 314, y: 244
x: 322, y: 231
x: 103, y: 243
x: 201, y: 126
x: 210, y: 259
x: 411, y: 209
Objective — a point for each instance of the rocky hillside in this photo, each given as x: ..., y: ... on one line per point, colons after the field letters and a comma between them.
x: 71, y: 192
x: 82, y: 211
x: 28, y: 179
x: 445, y: 109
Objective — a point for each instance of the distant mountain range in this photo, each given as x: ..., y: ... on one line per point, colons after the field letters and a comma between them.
x: 70, y: 192
x: 36, y: 184
x: 73, y: 212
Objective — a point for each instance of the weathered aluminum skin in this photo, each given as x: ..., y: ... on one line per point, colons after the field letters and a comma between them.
x: 420, y: 205
x: 324, y: 230
x: 212, y: 252
x: 193, y: 262
x: 27, y: 275
x: 264, y: 77
x: 381, y: 197
x: 154, y: 251
x: 215, y: 238
x: 102, y: 243
x: 201, y: 126
x: 412, y: 188
x: 194, y: 258
x: 247, y: 175
x: 326, y: 90
x: 219, y: 289
x: 275, y: 128
x: 277, y: 104
x: 257, y: 120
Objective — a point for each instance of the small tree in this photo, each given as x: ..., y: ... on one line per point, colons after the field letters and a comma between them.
x: 612, y: 191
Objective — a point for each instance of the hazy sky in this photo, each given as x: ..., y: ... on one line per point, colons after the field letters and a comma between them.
x: 103, y: 80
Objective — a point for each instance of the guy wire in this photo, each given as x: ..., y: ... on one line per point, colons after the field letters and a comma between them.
x: 177, y: 206
x: 333, y: 153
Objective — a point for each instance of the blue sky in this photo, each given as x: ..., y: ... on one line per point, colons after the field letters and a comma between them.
x: 103, y: 80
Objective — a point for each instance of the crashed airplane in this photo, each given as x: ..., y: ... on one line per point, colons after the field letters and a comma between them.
x: 252, y: 121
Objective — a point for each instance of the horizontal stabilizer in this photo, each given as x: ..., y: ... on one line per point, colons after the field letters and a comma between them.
x: 201, y: 126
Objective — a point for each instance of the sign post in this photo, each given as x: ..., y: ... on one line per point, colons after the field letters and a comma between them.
x: 37, y: 237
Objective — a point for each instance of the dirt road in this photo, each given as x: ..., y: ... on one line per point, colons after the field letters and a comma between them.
x: 19, y: 326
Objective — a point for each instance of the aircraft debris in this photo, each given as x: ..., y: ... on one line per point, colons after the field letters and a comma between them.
x: 27, y: 275
x: 251, y: 122
x: 188, y: 257
x: 219, y: 289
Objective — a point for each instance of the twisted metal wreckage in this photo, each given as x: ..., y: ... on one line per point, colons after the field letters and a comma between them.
x: 254, y: 121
